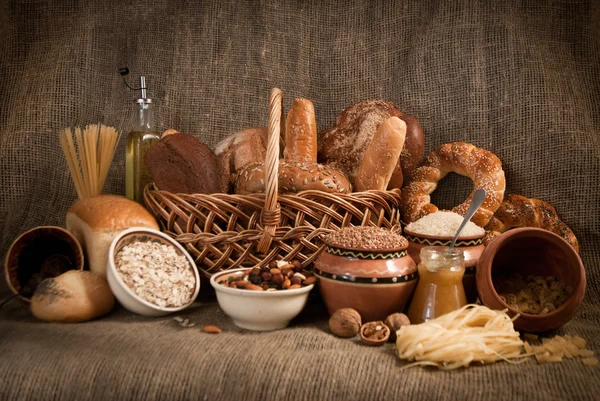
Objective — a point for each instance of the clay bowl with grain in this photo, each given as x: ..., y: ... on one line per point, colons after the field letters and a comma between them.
x: 531, y: 252
x: 126, y: 296
x: 471, y: 246
x: 374, y: 282
x: 258, y: 310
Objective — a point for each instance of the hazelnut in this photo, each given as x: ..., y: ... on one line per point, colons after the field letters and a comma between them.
x: 374, y: 333
x: 394, y: 322
x: 345, y: 322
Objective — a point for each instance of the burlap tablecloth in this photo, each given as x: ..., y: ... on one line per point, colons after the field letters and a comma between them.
x: 521, y: 79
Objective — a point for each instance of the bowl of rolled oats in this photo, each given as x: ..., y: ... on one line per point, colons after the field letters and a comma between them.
x: 151, y: 274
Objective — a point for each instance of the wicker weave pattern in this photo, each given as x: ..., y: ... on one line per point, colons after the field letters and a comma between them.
x: 221, y: 231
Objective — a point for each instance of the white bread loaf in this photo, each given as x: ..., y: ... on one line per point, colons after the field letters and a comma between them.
x: 95, y: 222
x: 381, y: 157
x: 74, y: 296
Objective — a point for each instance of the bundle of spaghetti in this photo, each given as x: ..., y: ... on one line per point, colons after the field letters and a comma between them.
x: 90, y: 160
x: 472, y: 333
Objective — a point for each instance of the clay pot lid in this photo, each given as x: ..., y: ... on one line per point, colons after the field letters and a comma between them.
x: 56, y: 251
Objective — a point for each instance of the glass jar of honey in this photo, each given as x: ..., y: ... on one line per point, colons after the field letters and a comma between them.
x: 440, y: 288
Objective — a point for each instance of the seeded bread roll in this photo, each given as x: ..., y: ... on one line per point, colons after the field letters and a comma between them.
x: 181, y: 163
x: 346, y: 142
x: 301, y: 132
x: 381, y: 156
x: 293, y: 177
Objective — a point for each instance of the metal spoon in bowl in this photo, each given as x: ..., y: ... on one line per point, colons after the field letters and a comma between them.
x: 478, y: 198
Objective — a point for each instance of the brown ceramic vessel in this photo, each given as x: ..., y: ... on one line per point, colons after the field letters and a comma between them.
x: 531, y: 251
x: 40, y: 253
x: 375, y: 283
x: 471, y: 246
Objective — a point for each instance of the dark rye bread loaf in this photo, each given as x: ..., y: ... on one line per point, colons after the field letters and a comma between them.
x: 181, y: 163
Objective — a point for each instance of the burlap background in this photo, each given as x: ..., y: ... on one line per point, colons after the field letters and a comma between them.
x: 521, y: 80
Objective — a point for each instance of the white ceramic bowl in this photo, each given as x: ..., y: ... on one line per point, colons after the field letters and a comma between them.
x: 259, y: 310
x: 126, y: 297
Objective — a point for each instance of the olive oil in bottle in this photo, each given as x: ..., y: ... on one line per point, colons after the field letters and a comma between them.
x: 141, y: 136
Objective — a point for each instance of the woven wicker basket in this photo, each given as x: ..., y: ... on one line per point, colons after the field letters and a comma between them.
x: 223, y: 231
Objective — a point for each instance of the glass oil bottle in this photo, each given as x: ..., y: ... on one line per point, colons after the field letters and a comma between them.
x: 141, y: 136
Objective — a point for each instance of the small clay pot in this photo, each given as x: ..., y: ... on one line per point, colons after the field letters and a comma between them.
x: 471, y: 246
x: 531, y: 251
x: 40, y: 253
x: 376, y: 283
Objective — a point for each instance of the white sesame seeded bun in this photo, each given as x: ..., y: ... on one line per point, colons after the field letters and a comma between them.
x: 293, y: 177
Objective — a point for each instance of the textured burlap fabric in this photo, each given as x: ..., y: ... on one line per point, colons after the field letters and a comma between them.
x: 521, y: 79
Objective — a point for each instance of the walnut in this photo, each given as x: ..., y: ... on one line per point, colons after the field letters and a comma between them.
x: 345, y: 322
x: 394, y: 322
x: 374, y: 333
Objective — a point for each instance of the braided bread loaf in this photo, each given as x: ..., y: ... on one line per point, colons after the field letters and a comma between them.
x: 481, y: 166
x: 519, y: 211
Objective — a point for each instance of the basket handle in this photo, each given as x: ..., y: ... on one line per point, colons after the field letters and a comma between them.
x: 271, y: 214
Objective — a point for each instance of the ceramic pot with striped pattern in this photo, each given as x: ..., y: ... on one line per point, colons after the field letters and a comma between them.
x: 376, y: 283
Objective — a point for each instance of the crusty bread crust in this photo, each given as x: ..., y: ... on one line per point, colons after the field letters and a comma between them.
x: 95, y: 221
x: 301, y: 132
x: 346, y: 142
x: 382, y: 155
x: 181, y: 163
x: 519, y: 211
x: 293, y: 177
x: 482, y: 166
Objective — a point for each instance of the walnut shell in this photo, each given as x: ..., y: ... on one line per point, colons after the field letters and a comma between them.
x: 345, y: 322
x: 374, y: 333
x: 394, y: 322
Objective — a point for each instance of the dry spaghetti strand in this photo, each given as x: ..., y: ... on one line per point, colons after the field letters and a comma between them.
x: 89, y: 161
x: 471, y: 334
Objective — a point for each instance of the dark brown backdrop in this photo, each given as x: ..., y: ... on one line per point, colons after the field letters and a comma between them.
x: 518, y: 78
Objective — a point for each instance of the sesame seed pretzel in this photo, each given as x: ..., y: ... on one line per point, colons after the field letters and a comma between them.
x: 481, y: 166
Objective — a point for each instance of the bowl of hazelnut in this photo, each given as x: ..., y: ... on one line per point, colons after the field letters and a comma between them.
x: 263, y: 298
x: 533, y: 273
x: 367, y: 269
x: 438, y: 229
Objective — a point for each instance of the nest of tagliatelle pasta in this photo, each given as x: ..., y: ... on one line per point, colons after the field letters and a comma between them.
x: 476, y: 334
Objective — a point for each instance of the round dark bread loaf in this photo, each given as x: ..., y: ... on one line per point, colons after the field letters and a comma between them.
x: 293, y: 177
x: 181, y: 163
